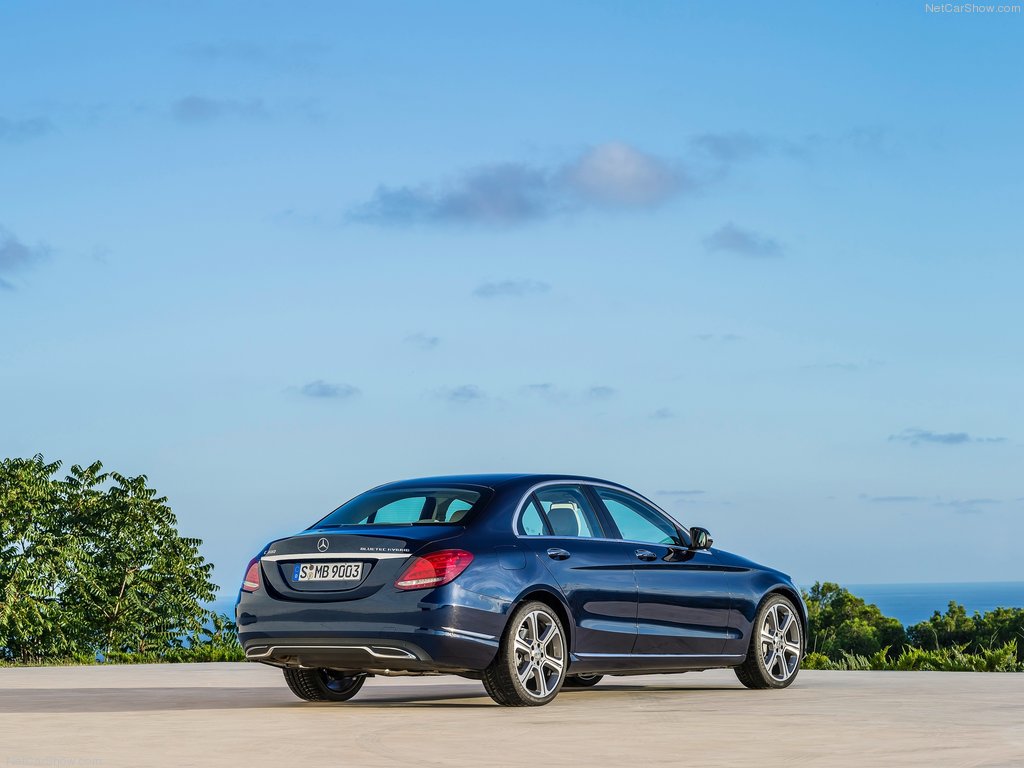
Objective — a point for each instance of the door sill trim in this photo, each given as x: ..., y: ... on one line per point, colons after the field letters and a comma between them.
x: 660, y: 655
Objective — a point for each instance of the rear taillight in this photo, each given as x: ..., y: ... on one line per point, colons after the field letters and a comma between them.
x: 434, y: 570
x: 251, y: 582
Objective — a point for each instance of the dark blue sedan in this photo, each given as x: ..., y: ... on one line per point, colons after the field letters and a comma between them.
x: 526, y: 582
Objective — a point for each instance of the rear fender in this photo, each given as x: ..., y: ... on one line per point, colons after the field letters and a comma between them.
x: 511, y: 574
x: 552, y: 597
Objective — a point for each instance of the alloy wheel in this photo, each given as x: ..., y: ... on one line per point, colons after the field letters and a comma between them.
x: 539, y: 654
x: 780, y: 642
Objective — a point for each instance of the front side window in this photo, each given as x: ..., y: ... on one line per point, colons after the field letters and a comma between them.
x: 635, y: 520
x: 567, y: 512
x: 419, y: 506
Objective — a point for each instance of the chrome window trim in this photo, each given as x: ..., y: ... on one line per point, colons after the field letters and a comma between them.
x: 620, y: 489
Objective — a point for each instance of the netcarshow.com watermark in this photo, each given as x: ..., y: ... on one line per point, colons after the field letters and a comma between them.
x: 971, y: 8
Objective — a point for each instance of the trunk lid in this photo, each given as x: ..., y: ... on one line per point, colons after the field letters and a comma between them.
x: 382, y: 552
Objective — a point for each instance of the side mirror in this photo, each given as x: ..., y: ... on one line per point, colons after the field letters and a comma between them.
x: 700, y: 538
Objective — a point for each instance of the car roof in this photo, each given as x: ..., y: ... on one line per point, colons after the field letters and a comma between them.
x: 494, y: 480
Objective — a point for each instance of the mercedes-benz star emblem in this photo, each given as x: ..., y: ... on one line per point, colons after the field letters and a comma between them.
x: 323, y: 545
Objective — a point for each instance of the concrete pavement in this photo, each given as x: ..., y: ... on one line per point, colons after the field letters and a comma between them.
x: 243, y: 715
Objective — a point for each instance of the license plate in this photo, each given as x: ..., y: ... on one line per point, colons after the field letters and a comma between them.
x: 327, y: 572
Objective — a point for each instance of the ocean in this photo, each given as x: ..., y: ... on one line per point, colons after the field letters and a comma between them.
x: 910, y: 603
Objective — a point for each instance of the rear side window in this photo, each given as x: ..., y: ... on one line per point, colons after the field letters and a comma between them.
x: 419, y: 506
x: 531, y: 521
x: 563, y: 511
x: 457, y: 510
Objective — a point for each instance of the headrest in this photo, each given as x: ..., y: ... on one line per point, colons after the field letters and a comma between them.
x: 563, y: 520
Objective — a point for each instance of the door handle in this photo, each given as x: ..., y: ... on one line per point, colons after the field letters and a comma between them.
x: 646, y: 554
x: 557, y: 553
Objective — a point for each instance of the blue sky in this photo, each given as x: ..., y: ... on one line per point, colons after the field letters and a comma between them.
x: 761, y: 262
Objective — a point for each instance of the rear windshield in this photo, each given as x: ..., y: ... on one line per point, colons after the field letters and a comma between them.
x: 409, y: 506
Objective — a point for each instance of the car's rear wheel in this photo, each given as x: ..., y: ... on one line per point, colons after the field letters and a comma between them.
x: 530, y: 666
x: 582, y: 681
x: 323, y: 684
x: 776, y: 646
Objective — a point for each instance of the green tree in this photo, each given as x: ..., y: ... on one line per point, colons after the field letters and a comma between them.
x: 977, y: 632
x: 93, y: 564
x: 841, y: 623
x: 35, y: 560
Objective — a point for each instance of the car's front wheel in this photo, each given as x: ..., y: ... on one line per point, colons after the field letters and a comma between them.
x: 530, y: 666
x: 776, y: 646
x: 323, y: 684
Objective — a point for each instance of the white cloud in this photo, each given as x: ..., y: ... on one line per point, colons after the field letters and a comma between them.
x: 616, y: 174
x: 612, y: 175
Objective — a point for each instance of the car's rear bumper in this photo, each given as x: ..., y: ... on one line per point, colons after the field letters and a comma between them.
x: 374, y: 654
x: 444, y: 630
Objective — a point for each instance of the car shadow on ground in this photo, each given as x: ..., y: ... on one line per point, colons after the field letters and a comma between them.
x: 635, y: 687
x: 85, y: 700
x: 429, y: 699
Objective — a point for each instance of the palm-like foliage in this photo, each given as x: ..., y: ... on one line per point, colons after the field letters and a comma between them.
x: 954, y: 659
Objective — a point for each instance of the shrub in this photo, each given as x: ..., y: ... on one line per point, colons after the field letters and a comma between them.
x: 976, y: 633
x: 840, y: 623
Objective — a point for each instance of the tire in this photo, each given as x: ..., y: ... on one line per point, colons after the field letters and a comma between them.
x: 323, y: 684
x: 776, y: 646
x: 529, y: 669
x: 582, y: 681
